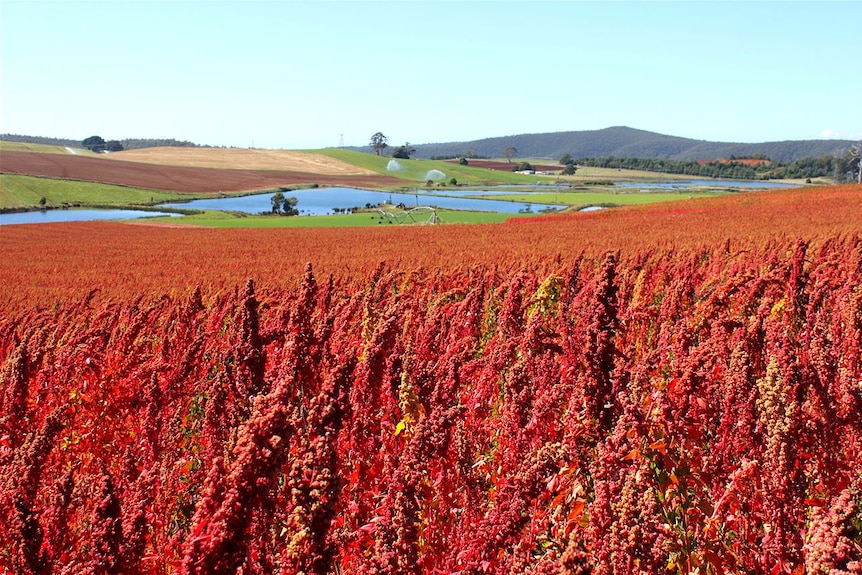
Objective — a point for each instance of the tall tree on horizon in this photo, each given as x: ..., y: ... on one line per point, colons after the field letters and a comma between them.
x: 379, y: 142
x: 94, y: 144
x: 509, y: 153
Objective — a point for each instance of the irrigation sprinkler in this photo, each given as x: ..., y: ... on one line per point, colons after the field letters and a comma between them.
x: 413, y: 215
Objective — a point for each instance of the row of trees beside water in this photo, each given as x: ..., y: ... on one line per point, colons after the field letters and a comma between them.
x: 841, y: 169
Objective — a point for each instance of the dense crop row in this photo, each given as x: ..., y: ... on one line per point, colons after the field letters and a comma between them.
x: 690, y: 410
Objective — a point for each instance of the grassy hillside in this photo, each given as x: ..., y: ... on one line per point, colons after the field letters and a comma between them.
x: 20, y: 138
x: 40, y: 148
x: 416, y: 170
x: 26, y: 192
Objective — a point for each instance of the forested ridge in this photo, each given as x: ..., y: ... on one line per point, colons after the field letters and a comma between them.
x: 621, y: 141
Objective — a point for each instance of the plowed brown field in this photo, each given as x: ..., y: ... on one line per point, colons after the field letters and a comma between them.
x: 173, y: 178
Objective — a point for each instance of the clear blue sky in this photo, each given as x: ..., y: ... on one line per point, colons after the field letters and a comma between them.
x: 296, y: 75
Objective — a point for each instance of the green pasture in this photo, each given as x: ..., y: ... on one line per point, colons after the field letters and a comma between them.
x: 27, y: 191
x: 217, y: 219
x: 415, y: 170
x: 40, y: 148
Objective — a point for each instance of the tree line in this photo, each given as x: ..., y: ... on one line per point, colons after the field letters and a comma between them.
x: 127, y: 143
x: 841, y: 169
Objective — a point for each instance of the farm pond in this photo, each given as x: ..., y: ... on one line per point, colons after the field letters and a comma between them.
x: 76, y: 215
x: 324, y: 201
x: 683, y: 184
x: 310, y: 202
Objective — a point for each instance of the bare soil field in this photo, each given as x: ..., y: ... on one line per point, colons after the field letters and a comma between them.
x: 241, y: 159
x: 173, y: 178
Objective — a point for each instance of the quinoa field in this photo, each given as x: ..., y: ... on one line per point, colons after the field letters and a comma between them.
x: 673, y: 388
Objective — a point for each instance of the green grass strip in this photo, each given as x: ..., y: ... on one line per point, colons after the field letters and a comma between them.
x: 26, y: 192
x: 216, y: 219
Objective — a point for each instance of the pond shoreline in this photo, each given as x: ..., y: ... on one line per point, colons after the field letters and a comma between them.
x: 334, y: 200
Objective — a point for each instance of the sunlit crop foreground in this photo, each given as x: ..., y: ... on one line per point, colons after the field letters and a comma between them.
x: 672, y: 388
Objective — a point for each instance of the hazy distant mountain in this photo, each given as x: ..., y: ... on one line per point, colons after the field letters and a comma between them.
x: 629, y: 142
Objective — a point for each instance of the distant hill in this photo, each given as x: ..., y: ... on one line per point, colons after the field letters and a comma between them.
x: 128, y: 143
x: 619, y: 141
x: 622, y: 141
